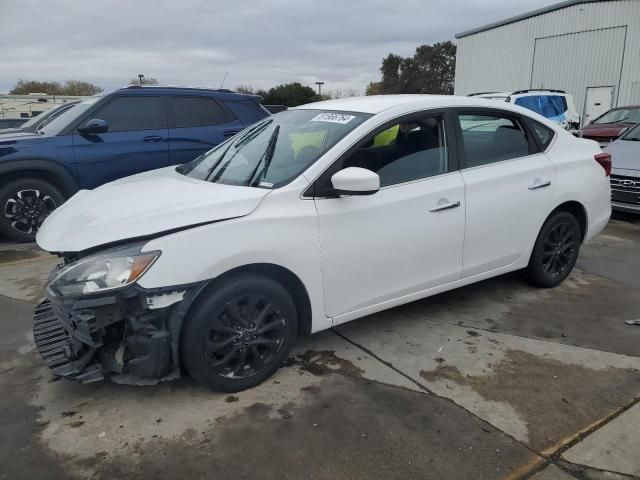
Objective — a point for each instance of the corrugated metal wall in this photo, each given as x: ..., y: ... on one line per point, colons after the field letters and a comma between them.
x: 502, y: 59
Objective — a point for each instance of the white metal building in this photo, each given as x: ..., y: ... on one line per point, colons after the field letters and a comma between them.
x: 589, y: 48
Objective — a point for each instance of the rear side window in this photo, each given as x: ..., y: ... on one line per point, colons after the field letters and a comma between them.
x: 248, y: 111
x: 127, y: 113
x: 542, y: 133
x: 492, y: 138
x: 195, y: 112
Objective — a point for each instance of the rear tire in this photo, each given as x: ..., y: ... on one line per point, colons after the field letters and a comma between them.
x: 24, y: 204
x: 555, y: 251
x: 239, y: 333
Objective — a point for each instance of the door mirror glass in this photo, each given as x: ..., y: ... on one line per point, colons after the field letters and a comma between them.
x: 355, y: 181
x: 93, y: 126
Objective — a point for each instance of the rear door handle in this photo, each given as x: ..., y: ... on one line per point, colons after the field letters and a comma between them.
x: 153, y: 138
x: 444, y: 205
x: 230, y: 133
x: 537, y: 183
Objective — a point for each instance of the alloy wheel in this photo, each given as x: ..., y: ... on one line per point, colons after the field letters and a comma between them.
x: 559, y: 250
x: 245, y: 336
x: 27, y: 209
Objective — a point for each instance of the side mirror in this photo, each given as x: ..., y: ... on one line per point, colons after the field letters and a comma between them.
x: 355, y: 181
x: 95, y: 125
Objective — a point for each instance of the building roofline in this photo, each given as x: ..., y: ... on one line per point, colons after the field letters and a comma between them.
x: 524, y: 16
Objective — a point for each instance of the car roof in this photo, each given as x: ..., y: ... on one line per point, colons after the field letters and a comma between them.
x: 219, y: 92
x: 378, y: 103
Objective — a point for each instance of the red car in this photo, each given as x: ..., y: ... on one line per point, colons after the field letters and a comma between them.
x: 609, y: 126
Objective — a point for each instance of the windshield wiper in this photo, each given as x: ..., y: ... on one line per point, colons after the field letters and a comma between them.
x: 267, y: 156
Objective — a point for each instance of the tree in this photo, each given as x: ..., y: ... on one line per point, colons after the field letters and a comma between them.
x: 70, y: 87
x: 143, y: 81
x: 289, y: 94
x: 430, y: 70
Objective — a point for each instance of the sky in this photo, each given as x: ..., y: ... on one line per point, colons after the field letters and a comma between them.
x: 256, y: 43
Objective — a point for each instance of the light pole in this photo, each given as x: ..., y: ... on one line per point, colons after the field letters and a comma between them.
x: 140, y: 77
x: 319, y: 89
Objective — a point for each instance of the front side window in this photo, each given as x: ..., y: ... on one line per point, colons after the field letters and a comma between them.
x: 195, y: 112
x: 404, y: 152
x: 128, y: 113
x: 273, y: 152
x: 492, y: 138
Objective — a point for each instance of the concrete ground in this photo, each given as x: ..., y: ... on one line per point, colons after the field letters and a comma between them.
x: 495, y: 380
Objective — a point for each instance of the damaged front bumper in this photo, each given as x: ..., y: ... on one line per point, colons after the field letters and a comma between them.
x: 130, y: 336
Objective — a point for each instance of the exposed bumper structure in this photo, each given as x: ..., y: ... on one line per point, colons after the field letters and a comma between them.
x: 131, y: 337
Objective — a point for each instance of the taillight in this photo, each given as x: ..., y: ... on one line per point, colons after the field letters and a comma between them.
x: 604, y: 159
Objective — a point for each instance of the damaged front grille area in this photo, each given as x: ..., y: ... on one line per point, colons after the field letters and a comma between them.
x: 116, y: 336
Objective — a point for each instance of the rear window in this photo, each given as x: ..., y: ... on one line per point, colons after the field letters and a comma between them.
x: 248, y: 111
x: 195, y: 112
x: 542, y: 133
x: 552, y: 107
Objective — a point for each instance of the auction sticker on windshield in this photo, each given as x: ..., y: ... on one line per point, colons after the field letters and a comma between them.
x: 333, y: 118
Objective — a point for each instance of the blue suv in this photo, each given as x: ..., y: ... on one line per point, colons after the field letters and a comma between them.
x: 104, y: 138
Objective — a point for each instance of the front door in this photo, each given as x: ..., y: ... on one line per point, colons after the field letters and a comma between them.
x: 508, y: 189
x: 402, y: 240
x: 598, y: 101
x: 136, y: 141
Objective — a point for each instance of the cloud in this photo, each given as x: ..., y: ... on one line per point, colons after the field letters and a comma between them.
x: 259, y: 43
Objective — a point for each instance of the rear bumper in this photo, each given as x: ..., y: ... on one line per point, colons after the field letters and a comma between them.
x: 123, y: 336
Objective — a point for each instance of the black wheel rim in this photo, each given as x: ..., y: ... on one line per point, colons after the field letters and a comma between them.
x: 559, y: 250
x: 245, y: 336
x: 27, y: 209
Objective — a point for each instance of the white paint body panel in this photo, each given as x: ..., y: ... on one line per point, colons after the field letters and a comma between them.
x: 354, y: 255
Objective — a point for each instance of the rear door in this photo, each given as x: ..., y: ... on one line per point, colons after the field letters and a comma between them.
x: 135, y: 142
x: 509, y: 184
x: 197, y: 124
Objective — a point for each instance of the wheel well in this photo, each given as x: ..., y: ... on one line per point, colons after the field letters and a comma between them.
x: 577, y: 210
x: 288, y: 280
x: 44, y: 175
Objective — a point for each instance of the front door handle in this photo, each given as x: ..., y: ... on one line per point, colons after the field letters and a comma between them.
x: 230, y: 133
x: 153, y: 138
x: 537, y: 183
x: 444, y: 205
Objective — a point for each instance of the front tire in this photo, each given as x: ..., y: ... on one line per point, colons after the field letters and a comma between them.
x: 239, y: 333
x: 24, y: 204
x: 555, y: 251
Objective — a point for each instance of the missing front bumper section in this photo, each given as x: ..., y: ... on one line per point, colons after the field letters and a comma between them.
x: 115, y: 336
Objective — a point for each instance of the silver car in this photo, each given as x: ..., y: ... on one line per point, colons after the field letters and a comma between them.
x: 625, y: 172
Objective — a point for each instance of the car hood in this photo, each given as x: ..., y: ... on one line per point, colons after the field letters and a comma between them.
x: 625, y: 155
x: 21, y: 138
x: 609, y: 130
x: 142, y: 205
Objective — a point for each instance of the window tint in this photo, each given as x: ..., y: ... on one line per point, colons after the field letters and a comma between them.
x: 543, y: 134
x: 125, y: 114
x: 404, y: 152
x: 248, y: 111
x: 196, y: 112
x: 491, y: 138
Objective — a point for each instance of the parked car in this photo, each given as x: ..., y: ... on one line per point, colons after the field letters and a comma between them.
x: 609, y: 126
x: 39, y: 121
x: 12, y: 122
x: 300, y: 223
x: 625, y: 172
x: 104, y: 138
x: 556, y: 105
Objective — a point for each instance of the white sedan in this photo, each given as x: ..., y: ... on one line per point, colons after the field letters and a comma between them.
x: 313, y: 217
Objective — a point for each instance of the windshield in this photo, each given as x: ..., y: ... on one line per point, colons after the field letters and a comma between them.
x: 273, y: 152
x: 633, y: 135
x: 61, y: 121
x: 621, y: 115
